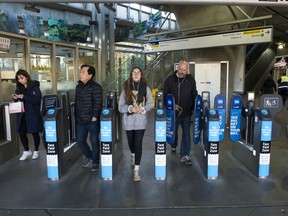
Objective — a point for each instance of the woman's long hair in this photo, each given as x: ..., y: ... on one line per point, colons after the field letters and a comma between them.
x: 24, y: 73
x: 127, y: 84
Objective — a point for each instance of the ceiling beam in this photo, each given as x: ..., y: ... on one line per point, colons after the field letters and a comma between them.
x: 199, y: 2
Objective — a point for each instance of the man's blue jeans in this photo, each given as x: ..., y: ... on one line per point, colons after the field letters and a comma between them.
x: 82, y: 132
x: 186, y: 140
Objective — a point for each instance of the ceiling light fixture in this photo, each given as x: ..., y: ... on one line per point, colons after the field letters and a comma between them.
x: 281, y: 45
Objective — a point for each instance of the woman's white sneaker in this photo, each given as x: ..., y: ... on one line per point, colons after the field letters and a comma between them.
x: 25, y: 155
x: 136, y: 176
x: 35, y: 155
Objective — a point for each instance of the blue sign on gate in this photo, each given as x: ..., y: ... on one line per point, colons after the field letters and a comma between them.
x: 235, y: 117
x: 197, y: 119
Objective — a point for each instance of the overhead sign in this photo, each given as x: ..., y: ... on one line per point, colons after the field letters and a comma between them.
x: 252, y: 36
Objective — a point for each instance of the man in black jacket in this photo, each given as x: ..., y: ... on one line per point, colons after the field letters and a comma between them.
x: 183, y: 87
x: 88, y: 106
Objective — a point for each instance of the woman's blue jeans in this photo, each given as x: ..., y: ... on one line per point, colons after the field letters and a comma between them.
x: 185, y: 123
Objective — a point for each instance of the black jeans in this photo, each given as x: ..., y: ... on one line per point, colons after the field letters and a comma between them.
x: 23, y: 136
x: 284, y: 94
x: 135, y: 138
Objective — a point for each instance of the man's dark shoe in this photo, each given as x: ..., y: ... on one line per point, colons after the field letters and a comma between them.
x: 85, y: 161
x: 94, y: 167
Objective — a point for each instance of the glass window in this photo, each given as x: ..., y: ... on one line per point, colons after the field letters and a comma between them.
x: 65, y: 73
x: 134, y: 15
x: 11, y: 60
x: 41, y: 66
x: 88, y: 57
x: 146, y: 9
x: 134, y: 5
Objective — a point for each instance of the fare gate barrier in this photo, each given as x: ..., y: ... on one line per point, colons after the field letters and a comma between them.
x: 111, y: 148
x: 211, y: 142
x: 207, y: 130
x: 51, y: 136
x: 9, y: 144
x: 253, y: 148
x: 160, y: 138
x: 61, y: 151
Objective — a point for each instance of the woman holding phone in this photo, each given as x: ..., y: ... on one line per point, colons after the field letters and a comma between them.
x: 30, y: 121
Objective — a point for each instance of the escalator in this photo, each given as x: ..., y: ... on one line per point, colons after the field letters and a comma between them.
x: 259, y: 62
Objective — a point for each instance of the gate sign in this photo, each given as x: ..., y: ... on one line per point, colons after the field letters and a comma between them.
x: 170, y: 119
x: 197, y: 120
x: 220, y: 105
x: 235, y: 117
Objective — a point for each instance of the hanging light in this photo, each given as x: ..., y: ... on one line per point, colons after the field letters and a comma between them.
x: 281, y: 45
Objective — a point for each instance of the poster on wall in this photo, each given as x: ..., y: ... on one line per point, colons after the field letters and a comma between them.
x: 79, y: 33
x: 57, y: 30
x: 207, y: 76
x: 33, y: 26
x: 8, y: 22
x: 155, y: 19
x: 140, y: 29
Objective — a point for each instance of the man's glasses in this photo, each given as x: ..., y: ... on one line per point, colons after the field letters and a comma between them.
x: 136, y: 72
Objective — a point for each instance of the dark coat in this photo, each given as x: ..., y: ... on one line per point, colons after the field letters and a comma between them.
x: 188, y: 92
x: 32, y: 102
x: 269, y: 86
x: 88, y: 101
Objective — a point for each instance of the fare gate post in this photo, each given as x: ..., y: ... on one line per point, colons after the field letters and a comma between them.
x: 50, y: 103
x: 160, y: 138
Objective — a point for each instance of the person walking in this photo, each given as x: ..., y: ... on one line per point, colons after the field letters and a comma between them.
x: 135, y: 101
x: 183, y: 87
x: 88, y: 106
x: 283, y: 87
x: 269, y: 86
x: 28, y: 91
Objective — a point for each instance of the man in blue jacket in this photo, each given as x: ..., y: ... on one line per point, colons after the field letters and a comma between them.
x: 88, y: 106
x: 183, y: 87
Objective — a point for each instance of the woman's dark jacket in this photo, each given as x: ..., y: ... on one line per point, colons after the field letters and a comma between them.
x: 184, y: 91
x: 88, y: 101
x: 269, y: 86
x: 32, y: 97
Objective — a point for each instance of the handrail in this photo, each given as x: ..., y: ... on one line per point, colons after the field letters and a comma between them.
x: 119, y: 75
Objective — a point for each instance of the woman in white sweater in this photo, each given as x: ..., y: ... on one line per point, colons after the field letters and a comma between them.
x: 135, y: 101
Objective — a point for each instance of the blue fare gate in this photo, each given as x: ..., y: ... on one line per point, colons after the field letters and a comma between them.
x: 212, y: 145
x: 235, y: 117
x: 160, y: 145
x: 106, y: 144
x: 220, y: 106
x: 265, y: 127
x: 51, y: 137
x: 197, y: 120
x: 160, y: 138
x: 170, y: 119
